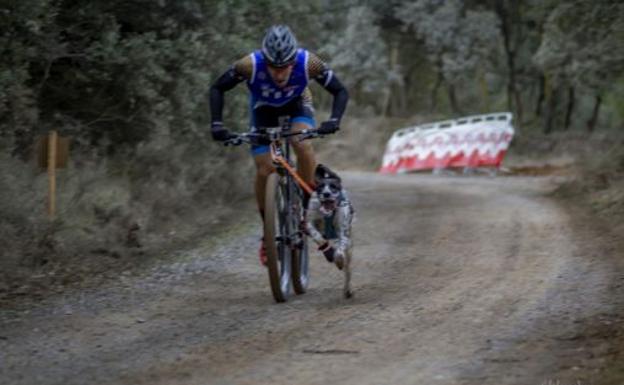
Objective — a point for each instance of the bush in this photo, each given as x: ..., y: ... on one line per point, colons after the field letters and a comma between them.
x: 112, y: 211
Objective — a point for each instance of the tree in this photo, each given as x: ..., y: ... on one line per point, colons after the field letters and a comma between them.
x: 458, y: 40
x: 362, y: 58
x: 581, y: 47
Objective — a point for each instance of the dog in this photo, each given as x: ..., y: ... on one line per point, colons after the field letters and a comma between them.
x: 328, y: 222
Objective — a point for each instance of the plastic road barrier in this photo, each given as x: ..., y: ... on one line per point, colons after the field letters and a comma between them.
x: 472, y: 141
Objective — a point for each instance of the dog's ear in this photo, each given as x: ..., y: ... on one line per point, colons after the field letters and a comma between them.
x: 321, y: 172
x: 333, y: 175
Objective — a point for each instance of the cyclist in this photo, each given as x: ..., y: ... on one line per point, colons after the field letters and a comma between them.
x: 277, y: 77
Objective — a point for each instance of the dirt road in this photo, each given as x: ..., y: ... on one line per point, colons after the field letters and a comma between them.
x: 457, y: 281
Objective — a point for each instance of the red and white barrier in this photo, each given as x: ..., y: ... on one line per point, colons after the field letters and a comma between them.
x: 473, y: 141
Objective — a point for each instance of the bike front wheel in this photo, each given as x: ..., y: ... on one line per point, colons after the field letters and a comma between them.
x: 279, y: 256
x: 300, y: 259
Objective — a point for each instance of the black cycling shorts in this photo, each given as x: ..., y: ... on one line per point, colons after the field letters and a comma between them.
x: 268, y: 116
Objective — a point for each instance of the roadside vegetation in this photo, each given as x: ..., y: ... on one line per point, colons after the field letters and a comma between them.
x: 599, y: 181
x: 126, y: 82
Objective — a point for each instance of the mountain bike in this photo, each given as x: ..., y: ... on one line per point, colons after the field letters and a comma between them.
x: 286, y: 245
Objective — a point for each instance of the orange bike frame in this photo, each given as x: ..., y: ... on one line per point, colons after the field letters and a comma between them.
x: 282, y: 162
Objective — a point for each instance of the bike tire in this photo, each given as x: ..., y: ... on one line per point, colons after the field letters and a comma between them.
x: 300, y: 255
x: 278, y: 254
x: 300, y: 276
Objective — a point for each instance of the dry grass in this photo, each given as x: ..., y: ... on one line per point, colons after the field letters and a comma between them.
x: 599, y: 180
x: 112, y: 212
x: 360, y: 143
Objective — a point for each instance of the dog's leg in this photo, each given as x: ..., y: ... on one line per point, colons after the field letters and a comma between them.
x: 347, y: 291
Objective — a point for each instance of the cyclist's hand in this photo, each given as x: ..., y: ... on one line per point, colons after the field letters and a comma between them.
x: 219, y: 133
x: 328, y: 251
x: 329, y: 127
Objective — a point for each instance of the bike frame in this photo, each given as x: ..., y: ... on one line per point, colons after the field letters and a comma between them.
x: 279, y: 161
x: 286, y: 244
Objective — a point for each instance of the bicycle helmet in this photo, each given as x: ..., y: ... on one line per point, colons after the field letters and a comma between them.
x: 279, y: 46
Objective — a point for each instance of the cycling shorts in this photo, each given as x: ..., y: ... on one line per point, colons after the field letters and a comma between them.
x: 299, y: 111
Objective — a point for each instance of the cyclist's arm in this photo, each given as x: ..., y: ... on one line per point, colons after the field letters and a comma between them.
x: 320, y: 71
x: 238, y: 72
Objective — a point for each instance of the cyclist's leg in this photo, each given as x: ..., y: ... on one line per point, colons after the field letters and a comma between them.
x: 264, y: 168
x: 306, y: 161
x: 303, y: 118
x: 262, y: 117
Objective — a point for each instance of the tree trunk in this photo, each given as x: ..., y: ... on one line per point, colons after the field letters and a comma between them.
x: 569, y: 108
x: 434, y: 91
x: 403, y: 100
x: 509, y: 19
x: 591, y: 123
x: 551, y: 111
x: 519, y: 109
x: 404, y: 95
x: 540, y: 98
x: 453, y: 100
x: 394, y: 59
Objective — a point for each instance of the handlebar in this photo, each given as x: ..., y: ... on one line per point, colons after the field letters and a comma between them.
x: 270, y: 135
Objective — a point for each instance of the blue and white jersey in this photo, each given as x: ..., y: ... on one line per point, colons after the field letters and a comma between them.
x: 263, y: 89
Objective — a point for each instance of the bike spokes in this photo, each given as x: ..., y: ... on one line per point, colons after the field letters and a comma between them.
x: 275, y: 235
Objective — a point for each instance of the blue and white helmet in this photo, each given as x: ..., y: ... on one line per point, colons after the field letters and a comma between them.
x: 279, y: 46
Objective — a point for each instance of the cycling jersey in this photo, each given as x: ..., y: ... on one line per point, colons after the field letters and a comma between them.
x: 263, y: 89
x: 308, y: 66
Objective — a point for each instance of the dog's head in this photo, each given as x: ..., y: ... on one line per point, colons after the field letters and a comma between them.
x: 328, y: 188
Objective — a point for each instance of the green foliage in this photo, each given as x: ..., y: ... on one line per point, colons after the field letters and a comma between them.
x: 458, y: 40
x: 582, y: 43
x: 362, y: 57
x: 114, y: 73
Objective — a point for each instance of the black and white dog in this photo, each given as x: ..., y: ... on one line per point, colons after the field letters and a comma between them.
x: 328, y: 222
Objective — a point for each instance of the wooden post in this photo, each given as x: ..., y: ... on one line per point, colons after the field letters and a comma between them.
x: 52, y: 146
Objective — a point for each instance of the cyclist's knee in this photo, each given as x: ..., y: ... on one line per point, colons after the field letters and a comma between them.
x: 264, y: 172
x: 264, y: 168
x: 303, y: 148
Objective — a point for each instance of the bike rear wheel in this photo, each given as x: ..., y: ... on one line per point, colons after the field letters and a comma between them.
x: 279, y: 256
